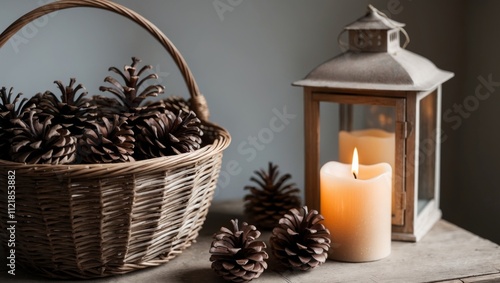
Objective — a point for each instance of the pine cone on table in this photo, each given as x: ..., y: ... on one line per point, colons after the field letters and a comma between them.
x: 271, y: 198
x: 237, y: 255
x: 36, y: 140
x: 9, y: 110
x: 163, y: 133
x: 300, y: 241
x: 107, y: 141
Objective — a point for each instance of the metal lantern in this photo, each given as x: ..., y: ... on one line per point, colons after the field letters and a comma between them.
x: 389, y: 102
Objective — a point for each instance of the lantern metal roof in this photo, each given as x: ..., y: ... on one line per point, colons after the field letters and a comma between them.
x: 396, y: 70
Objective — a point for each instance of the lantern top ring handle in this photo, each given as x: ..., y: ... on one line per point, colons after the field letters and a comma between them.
x: 401, y: 29
x: 407, y: 37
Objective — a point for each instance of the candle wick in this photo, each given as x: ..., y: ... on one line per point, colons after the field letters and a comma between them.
x: 355, y: 177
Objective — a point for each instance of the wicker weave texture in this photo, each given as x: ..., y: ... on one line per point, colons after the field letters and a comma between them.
x: 86, y: 220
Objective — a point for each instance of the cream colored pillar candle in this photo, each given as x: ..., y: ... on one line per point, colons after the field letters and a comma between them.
x: 357, y: 211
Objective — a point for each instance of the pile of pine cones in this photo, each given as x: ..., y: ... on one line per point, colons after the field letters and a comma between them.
x: 299, y: 241
x: 73, y: 128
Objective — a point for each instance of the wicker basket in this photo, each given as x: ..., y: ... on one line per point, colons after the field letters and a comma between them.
x: 86, y: 221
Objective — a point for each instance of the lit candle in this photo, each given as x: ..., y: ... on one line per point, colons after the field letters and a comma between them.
x: 356, y: 204
x: 377, y: 145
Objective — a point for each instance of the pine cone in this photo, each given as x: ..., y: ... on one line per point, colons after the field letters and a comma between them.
x: 107, y: 140
x: 171, y: 104
x: 71, y: 110
x: 300, y: 241
x: 151, y: 109
x: 36, y: 140
x: 271, y: 198
x: 9, y: 109
x: 102, y: 106
x: 236, y: 254
x: 164, y: 134
x: 128, y: 92
x: 176, y: 103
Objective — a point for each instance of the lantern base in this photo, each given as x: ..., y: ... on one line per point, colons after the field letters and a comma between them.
x: 423, y: 224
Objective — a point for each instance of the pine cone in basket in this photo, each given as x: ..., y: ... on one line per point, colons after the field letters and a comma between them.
x: 170, y: 104
x: 9, y: 110
x: 102, y: 106
x: 176, y: 103
x: 151, y: 109
x: 164, y: 133
x: 107, y: 140
x: 271, y: 198
x: 300, y: 241
x: 128, y: 92
x: 236, y: 254
x: 70, y: 111
x: 36, y: 140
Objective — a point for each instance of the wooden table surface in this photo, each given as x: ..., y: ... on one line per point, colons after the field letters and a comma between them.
x: 446, y: 254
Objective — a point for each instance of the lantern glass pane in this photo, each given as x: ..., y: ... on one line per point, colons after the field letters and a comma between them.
x: 373, y: 126
x: 371, y: 129
x: 329, y: 129
x: 363, y: 116
x: 427, y: 150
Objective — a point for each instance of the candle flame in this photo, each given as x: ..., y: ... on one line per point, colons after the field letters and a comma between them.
x: 355, y: 163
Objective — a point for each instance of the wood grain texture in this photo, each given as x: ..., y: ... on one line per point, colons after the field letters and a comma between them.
x: 312, y: 147
x: 482, y: 279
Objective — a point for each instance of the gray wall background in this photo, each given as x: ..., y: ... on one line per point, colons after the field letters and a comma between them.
x: 245, y: 57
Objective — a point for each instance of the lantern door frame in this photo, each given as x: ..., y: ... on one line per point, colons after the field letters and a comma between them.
x: 407, y: 225
x: 422, y: 222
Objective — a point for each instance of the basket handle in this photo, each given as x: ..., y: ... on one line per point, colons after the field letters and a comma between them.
x: 198, y: 101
